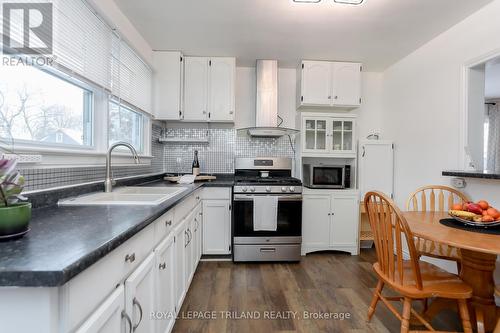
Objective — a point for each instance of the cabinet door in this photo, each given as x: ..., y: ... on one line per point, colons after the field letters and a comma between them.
x: 110, y: 317
x: 222, y: 74
x: 167, y: 93
x: 180, y: 285
x: 314, y: 135
x: 195, y: 88
x: 316, y: 220
x: 188, y: 252
x: 165, y: 284
x: 316, y: 83
x: 345, y: 221
x: 346, y: 89
x: 342, y: 136
x: 196, y: 239
x: 140, y: 296
x: 216, y: 227
x: 376, y: 167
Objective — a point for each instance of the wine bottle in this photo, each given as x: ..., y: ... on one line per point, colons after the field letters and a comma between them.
x: 196, y: 164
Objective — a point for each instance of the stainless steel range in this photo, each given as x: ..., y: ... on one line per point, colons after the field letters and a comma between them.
x: 266, y: 180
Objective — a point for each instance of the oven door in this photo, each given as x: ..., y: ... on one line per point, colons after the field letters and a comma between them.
x: 289, y: 218
x: 328, y: 177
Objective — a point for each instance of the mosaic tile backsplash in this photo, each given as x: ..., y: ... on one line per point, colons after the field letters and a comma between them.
x: 38, y: 179
x: 218, y: 154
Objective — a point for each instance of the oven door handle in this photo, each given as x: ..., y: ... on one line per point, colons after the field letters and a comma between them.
x: 249, y: 197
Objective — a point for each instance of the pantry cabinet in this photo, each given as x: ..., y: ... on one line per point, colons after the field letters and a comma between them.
x: 168, y: 85
x: 209, y: 89
x: 330, y: 221
x: 328, y: 136
x: 329, y: 84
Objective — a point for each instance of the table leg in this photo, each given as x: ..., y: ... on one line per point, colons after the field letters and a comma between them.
x: 477, y: 271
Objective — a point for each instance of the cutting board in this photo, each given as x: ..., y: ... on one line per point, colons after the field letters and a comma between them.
x: 175, y: 179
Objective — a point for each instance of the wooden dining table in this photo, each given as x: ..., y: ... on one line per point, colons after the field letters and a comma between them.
x: 479, y: 254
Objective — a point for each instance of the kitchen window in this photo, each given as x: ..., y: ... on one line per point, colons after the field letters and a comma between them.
x: 41, y: 109
x: 126, y: 125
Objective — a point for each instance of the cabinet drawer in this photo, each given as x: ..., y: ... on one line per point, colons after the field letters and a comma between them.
x: 288, y: 252
x: 220, y: 193
x: 164, y: 225
x: 83, y: 293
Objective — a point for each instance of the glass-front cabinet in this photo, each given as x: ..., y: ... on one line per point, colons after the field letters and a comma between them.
x: 333, y: 136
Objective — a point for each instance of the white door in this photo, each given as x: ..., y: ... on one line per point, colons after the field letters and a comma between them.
x: 188, y: 251
x: 180, y: 285
x: 376, y: 167
x: 345, y: 220
x: 316, y: 83
x: 167, y: 93
x: 346, y: 89
x: 195, y: 88
x: 216, y: 227
x: 110, y: 316
x: 221, y: 105
x: 196, y: 238
x: 316, y: 220
x: 165, y: 284
x: 140, y: 296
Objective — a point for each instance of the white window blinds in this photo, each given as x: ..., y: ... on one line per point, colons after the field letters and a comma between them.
x: 85, y: 46
x: 131, y: 77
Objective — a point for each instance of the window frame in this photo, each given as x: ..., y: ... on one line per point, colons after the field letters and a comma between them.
x: 55, y: 154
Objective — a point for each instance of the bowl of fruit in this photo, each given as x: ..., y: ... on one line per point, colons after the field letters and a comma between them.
x: 478, y: 214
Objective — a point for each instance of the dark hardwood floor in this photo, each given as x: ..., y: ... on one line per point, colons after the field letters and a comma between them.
x: 224, y: 296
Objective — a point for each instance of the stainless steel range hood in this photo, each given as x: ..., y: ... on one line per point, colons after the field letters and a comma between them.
x: 266, y: 115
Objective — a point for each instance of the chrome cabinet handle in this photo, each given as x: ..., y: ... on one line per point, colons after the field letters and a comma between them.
x: 129, y: 321
x: 336, y: 97
x: 197, y: 198
x: 231, y: 112
x: 168, y: 223
x: 136, y: 302
x: 130, y: 258
x: 329, y: 97
x: 364, y: 152
x: 162, y: 266
x: 187, y: 238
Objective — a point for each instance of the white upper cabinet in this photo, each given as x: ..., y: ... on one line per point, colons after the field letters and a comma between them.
x: 221, y: 102
x: 330, y: 84
x: 195, y: 88
x: 167, y: 93
x: 346, y: 84
x: 209, y: 89
x: 316, y: 83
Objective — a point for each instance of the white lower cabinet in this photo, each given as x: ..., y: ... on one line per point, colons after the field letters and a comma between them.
x: 216, y: 227
x: 110, y: 317
x: 180, y: 282
x: 165, y: 285
x: 330, y: 221
x: 140, y: 296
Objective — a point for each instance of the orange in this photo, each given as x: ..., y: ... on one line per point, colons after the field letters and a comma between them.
x: 457, y: 207
x: 493, y: 213
x: 483, y: 204
x: 487, y: 219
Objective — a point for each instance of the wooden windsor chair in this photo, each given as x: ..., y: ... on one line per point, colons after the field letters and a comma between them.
x: 412, y: 279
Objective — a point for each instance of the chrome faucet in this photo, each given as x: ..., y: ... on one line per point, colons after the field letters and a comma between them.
x: 109, y: 182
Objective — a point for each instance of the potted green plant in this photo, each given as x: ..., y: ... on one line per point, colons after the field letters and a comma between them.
x: 15, y: 214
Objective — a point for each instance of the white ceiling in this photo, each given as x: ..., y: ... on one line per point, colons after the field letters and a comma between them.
x: 377, y: 33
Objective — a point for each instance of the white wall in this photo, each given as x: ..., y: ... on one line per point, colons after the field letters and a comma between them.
x: 115, y: 17
x: 422, y: 99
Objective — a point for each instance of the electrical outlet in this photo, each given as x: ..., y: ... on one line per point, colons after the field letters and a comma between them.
x: 24, y: 158
x: 458, y: 182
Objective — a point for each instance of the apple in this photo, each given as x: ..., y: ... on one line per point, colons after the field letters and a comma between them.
x: 474, y: 208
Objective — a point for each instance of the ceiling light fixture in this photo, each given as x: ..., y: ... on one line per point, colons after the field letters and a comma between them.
x: 350, y: 2
x: 345, y: 2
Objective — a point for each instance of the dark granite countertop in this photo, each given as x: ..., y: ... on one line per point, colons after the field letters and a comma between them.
x: 482, y: 174
x: 64, y: 241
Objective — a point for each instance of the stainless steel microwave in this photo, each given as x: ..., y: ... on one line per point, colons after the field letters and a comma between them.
x: 327, y: 176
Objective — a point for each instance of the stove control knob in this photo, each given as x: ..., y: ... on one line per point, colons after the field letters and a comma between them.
x: 268, y: 189
x: 292, y: 188
x: 252, y: 189
x: 283, y: 189
x: 244, y: 188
